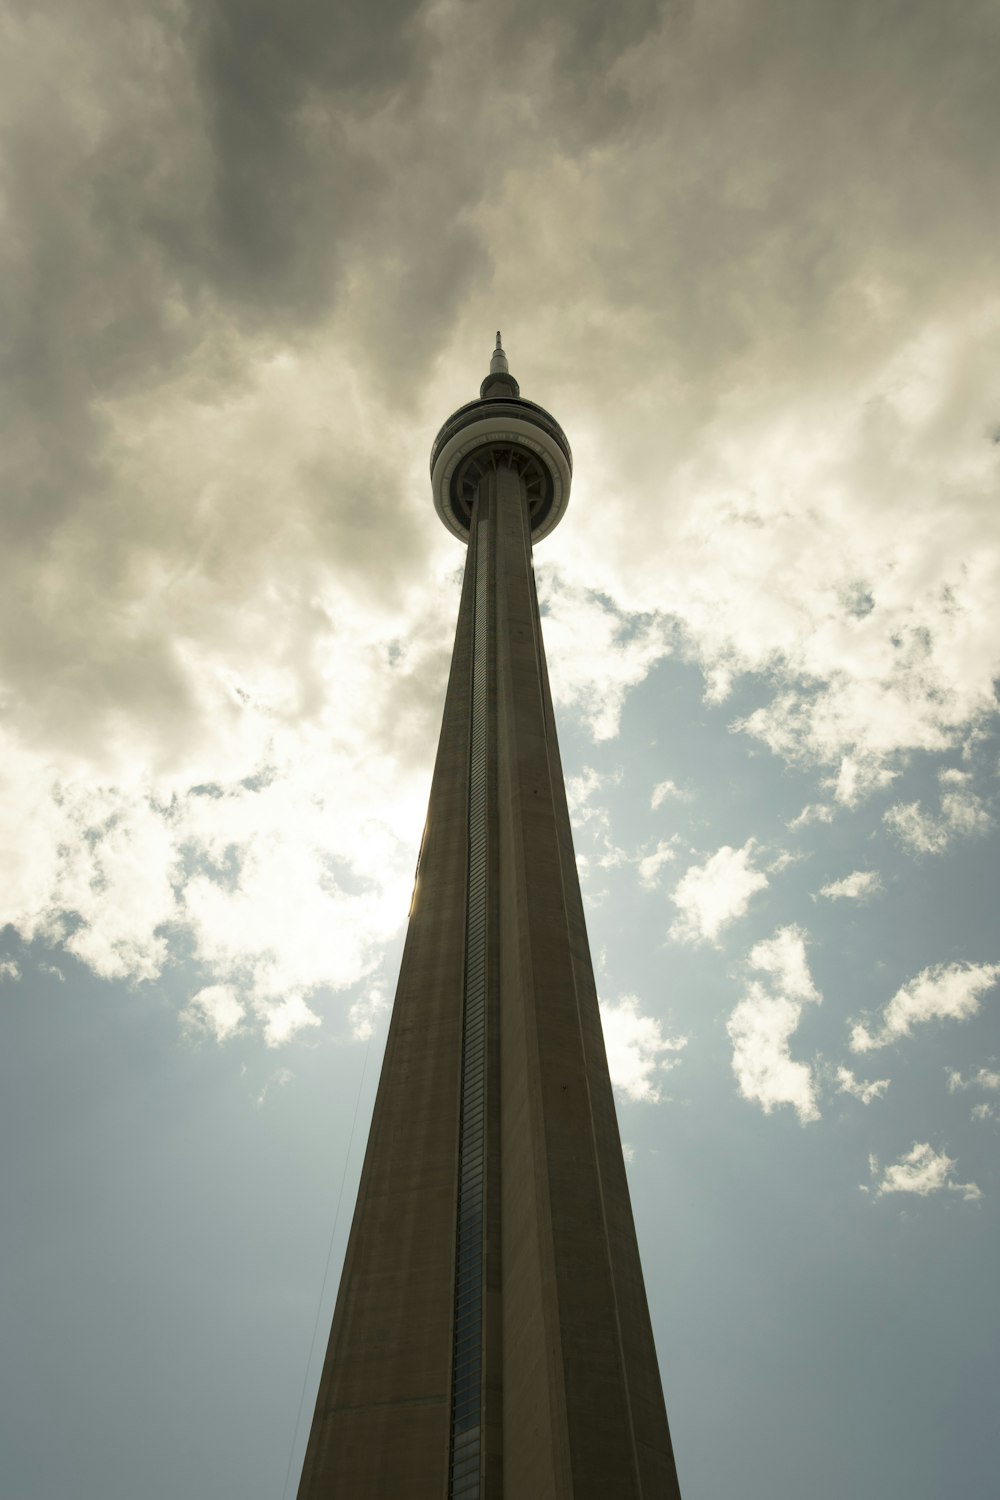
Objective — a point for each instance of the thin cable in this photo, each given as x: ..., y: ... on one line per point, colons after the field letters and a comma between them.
x: 326, y: 1272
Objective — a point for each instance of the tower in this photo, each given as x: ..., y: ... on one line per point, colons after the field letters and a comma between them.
x: 491, y: 1339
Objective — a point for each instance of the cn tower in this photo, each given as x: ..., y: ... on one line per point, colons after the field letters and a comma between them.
x: 491, y: 1339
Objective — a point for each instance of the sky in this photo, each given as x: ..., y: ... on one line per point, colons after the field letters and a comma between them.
x: 253, y: 256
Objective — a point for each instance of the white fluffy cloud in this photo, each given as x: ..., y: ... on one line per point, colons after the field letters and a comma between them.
x: 762, y: 1025
x: 365, y: 1012
x: 638, y: 1051
x: 876, y: 639
x: 942, y: 992
x: 866, y: 1092
x: 87, y: 864
x: 813, y: 812
x: 962, y: 815
x: 711, y: 895
x: 922, y: 1171
x: 596, y: 848
x: 580, y: 789
x: 282, y: 1019
x: 857, y: 886
x: 596, y: 649
x: 783, y: 958
x: 662, y: 791
x: 983, y: 1078
x: 281, y: 884
x: 216, y: 1009
x: 651, y: 865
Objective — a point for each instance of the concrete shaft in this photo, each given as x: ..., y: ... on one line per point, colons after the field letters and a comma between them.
x: 543, y: 1383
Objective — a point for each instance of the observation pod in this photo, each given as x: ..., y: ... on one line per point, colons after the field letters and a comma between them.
x: 501, y: 430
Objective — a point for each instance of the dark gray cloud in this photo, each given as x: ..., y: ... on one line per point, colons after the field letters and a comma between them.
x: 288, y: 182
x: 683, y: 206
x: 801, y: 182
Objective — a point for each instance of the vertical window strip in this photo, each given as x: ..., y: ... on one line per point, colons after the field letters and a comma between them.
x: 467, y: 1356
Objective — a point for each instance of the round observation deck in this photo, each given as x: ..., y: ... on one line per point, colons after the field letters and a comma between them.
x: 501, y: 429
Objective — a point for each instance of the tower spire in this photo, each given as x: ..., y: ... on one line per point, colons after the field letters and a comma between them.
x: 499, y: 382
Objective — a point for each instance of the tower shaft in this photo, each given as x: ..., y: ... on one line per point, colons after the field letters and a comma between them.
x: 491, y: 1339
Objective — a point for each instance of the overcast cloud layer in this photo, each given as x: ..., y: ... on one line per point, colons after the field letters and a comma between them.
x: 253, y: 254
x: 253, y: 264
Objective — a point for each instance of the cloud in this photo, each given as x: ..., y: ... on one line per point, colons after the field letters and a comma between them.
x: 638, y: 1052
x: 87, y: 865
x: 782, y: 860
x: 858, y: 775
x: 596, y: 651
x: 281, y: 885
x: 293, y: 915
x: 278, y: 1079
x: 284, y: 1019
x: 866, y: 1092
x: 592, y: 823
x: 711, y: 895
x: 650, y: 865
x: 983, y: 1078
x: 216, y: 1009
x: 195, y: 495
x: 910, y: 671
x: 922, y: 1171
x: 962, y: 815
x: 579, y: 790
x: 783, y: 957
x: 857, y: 886
x: 221, y: 1012
x: 941, y: 992
x: 9, y: 969
x: 662, y: 791
x: 250, y: 266
x: 364, y: 1014
x: 763, y: 1023
x: 814, y: 812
